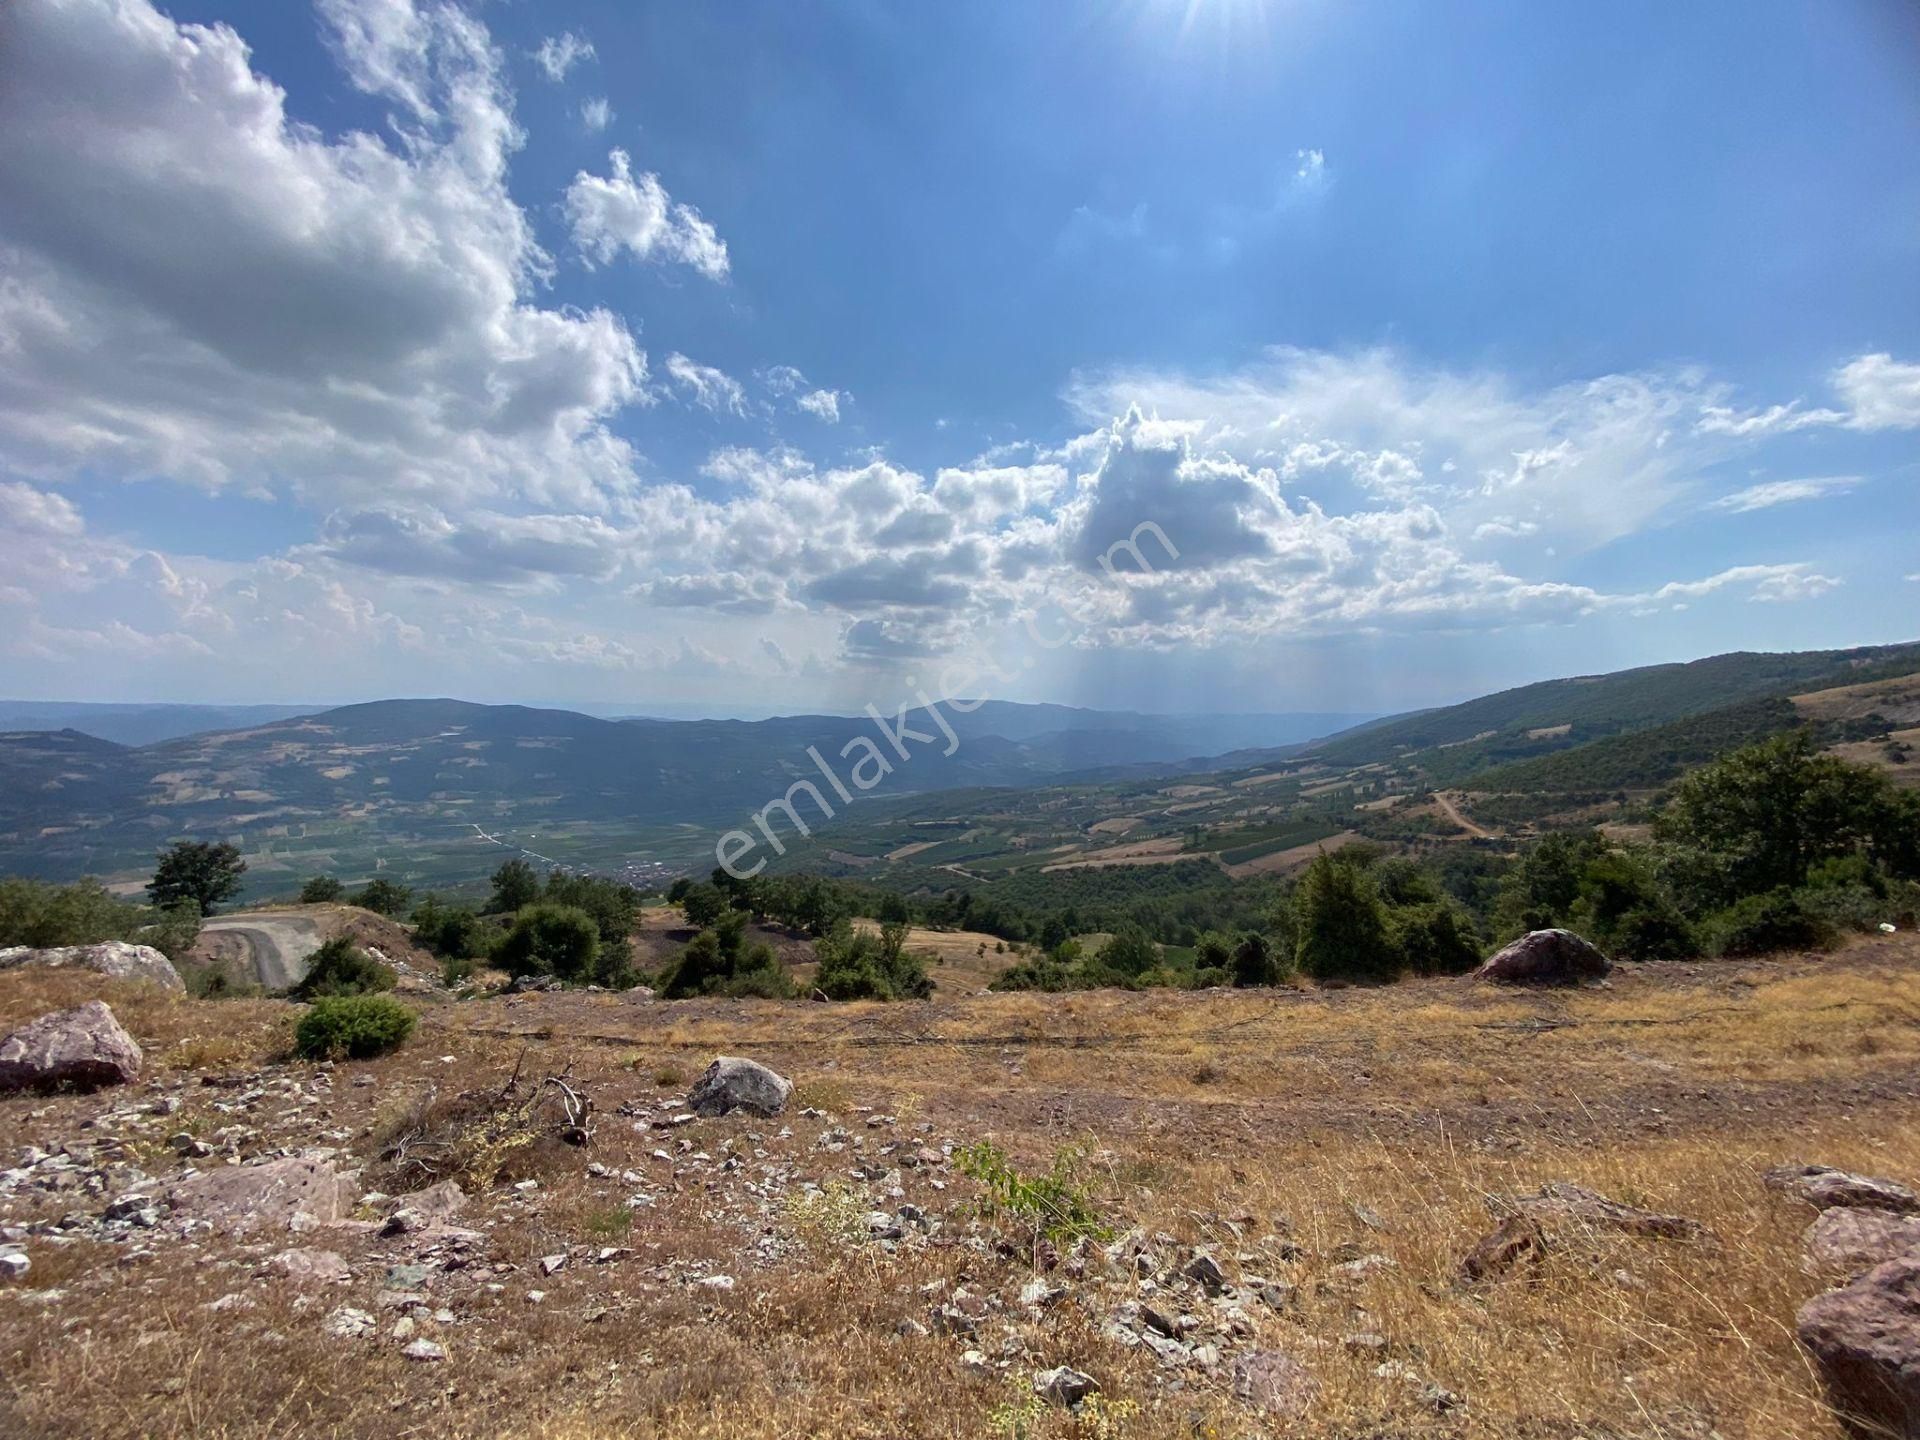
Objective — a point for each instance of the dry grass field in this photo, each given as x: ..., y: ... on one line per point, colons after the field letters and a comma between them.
x: 1294, y: 1135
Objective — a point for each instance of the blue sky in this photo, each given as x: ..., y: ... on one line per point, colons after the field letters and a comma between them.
x: 757, y: 357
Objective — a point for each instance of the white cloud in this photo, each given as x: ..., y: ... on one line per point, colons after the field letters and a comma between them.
x: 1877, y: 391
x: 596, y: 114
x: 821, y: 404
x: 629, y: 212
x: 1881, y: 393
x: 233, y: 299
x: 560, y: 53
x: 1310, y: 167
x: 705, y: 385
x: 1784, y: 492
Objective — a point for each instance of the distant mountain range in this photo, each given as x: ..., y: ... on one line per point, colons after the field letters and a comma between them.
x: 337, y: 786
x: 139, y: 724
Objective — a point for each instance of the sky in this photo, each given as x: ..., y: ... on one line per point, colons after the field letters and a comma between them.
x: 755, y: 358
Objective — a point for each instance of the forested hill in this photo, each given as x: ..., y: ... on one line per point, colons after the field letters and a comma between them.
x: 1520, y: 723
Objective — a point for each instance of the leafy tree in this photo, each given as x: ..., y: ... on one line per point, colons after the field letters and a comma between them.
x: 1774, y: 809
x: 339, y: 967
x: 704, y: 905
x: 1539, y: 893
x: 384, y: 897
x: 547, y: 939
x: 1212, y: 951
x: 515, y: 886
x: 321, y: 890
x: 1340, y: 924
x: 614, y: 906
x: 197, y: 870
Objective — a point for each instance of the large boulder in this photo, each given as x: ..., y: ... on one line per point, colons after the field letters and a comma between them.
x: 1545, y: 957
x: 113, y: 958
x: 84, y: 1048
x: 1865, y: 1339
x: 734, y: 1084
x: 1826, y: 1188
x: 237, y: 1198
x: 1849, y: 1235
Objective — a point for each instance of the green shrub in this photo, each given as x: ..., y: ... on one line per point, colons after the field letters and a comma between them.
x: 352, y: 1027
x: 1253, y: 961
x: 857, y: 965
x: 718, y: 961
x: 321, y: 890
x: 339, y: 967
x: 516, y: 885
x: 453, y: 932
x: 1436, y: 938
x: 556, y: 940
x: 83, y: 913
x: 1340, y: 925
x: 1055, y: 1204
x: 1760, y: 924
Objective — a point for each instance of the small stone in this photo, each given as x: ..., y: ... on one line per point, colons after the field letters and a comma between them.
x: 1205, y: 1270
x: 1064, y: 1385
x: 424, y: 1351
x: 14, y: 1265
x: 347, y: 1323
x: 552, y: 1264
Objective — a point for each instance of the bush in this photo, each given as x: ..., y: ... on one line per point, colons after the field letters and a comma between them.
x: 453, y: 932
x: 1761, y: 924
x: 352, y: 1027
x: 339, y: 967
x: 321, y: 890
x: 38, y: 914
x: 173, y: 930
x: 720, y: 962
x: 1340, y: 925
x: 1252, y: 962
x: 384, y: 897
x: 857, y: 965
x: 556, y: 940
x: 1435, y: 939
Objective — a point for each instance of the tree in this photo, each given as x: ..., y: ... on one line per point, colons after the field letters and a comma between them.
x: 1340, y: 924
x: 384, y: 897
x: 1773, y: 809
x: 197, y: 870
x: 553, y: 940
x: 321, y: 890
x: 515, y: 886
x: 1130, y: 953
x: 1252, y: 961
x: 703, y: 905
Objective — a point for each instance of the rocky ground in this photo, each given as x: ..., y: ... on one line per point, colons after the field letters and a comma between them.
x: 1437, y: 1208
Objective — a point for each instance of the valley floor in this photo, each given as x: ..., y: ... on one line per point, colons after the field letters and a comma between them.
x: 1333, y: 1150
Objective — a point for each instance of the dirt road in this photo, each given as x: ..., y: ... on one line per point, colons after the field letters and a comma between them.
x: 1453, y: 813
x: 276, y: 946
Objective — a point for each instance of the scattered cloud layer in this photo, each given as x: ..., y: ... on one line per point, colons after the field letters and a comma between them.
x: 360, y: 328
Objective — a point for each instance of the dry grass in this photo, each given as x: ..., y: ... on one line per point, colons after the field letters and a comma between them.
x: 1237, y: 1120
